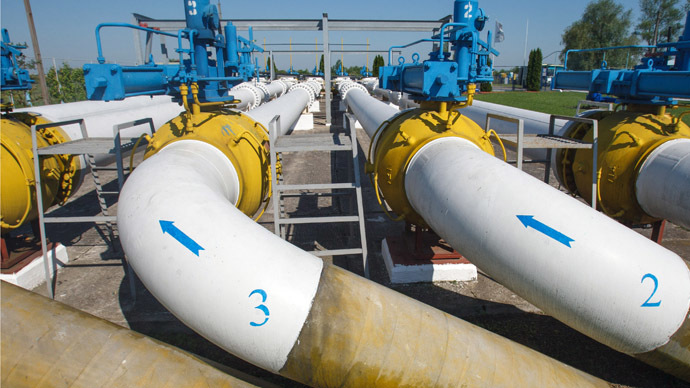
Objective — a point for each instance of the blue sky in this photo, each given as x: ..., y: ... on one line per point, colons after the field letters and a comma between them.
x: 65, y: 28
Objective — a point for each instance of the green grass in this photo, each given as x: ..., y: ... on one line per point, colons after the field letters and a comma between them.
x: 557, y: 103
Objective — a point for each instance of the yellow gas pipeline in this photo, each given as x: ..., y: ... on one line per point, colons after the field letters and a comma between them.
x: 59, y: 173
x: 399, y: 139
x: 625, y: 140
x: 242, y: 140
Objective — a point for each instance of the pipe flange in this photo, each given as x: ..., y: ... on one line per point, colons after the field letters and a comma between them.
x: 316, y: 86
x: 350, y: 86
x: 308, y: 89
x: 261, y: 86
x: 255, y: 92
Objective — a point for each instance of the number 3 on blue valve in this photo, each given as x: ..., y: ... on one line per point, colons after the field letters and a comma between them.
x: 647, y: 302
x: 261, y: 307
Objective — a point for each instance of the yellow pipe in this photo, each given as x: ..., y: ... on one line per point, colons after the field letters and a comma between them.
x: 46, y: 343
x: 625, y: 140
x: 59, y: 173
x: 361, y: 334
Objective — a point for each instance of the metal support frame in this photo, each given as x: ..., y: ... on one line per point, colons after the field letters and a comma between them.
x: 549, y: 142
x: 594, y: 145
x: 607, y: 105
x: 327, y: 68
x: 85, y: 146
x: 324, y: 24
x: 317, y: 142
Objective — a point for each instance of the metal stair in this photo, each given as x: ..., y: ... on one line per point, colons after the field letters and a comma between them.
x: 329, y: 142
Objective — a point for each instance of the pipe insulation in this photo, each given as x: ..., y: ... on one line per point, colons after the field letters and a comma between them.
x: 100, y: 116
x: 47, y: 343
x: 663, y: 182
x: 569, y: 260
x: 278, y: 307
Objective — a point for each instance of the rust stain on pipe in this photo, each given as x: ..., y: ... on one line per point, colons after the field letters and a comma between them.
x: 48, y: 344
x: 361, y: 334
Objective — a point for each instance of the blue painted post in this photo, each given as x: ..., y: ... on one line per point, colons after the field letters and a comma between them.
x: 464, y: 12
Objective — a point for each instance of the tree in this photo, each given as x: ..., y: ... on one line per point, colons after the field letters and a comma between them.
x: 321, y: 65
x: 534, y: 70
x: 67, y: 85
x: 378, y: 62
x: 659, y: 20
x: 603, y: 24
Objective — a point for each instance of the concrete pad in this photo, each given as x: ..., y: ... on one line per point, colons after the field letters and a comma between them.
x: 33, y: 274
x: 304, y: 123
x: 401, y: 271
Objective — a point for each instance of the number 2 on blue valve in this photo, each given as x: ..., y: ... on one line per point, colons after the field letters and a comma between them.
x: 647, y: 302
x: 260, y: 307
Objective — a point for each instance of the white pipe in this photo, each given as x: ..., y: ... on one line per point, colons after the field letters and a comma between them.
x: 564, y: 257
x: 569, y: 260
x: 663, y: 183
x: 370, y: 112
x: 275, y: 89
x: 215, y: 291
x: 246, y: 95
x: 100, y: 116
x: 289, y: 107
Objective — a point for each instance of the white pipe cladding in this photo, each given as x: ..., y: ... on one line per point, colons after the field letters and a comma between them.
x: 663, y: 183
x: 574, y: 263
x: 289, y: 106
x: 100, y: 116
x: 246, y: 290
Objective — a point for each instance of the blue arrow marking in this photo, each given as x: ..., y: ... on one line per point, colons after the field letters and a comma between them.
x: 169, y: 228
x: 547, y: 230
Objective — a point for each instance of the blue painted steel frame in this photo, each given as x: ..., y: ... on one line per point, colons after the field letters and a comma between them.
x: 441, y: 78
x: 233, y: 63
x: 654, y: 81
x: 13, y: 77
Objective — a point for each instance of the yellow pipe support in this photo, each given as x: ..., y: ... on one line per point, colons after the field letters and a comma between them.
x: 404, y: 135
x: 59, y: 173
x: 361, y: 334
x: 626, y: 138
x: 46, y: 343
x: 241, y: 139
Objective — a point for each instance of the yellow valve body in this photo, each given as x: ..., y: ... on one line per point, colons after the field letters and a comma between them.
x: 403, y: 137
x: 626, y: 138
x: 59, y: 173
x: 242, y: 140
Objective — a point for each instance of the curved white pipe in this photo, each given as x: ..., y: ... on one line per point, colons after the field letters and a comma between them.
x: 241, y: 265
x: 564, y: 257
x: 574, y: 263
x: 663, y: 183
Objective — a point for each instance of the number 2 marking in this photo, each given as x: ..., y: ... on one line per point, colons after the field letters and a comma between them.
x: 656, y: 285
x: 468, y: 8
x: 261, y: 307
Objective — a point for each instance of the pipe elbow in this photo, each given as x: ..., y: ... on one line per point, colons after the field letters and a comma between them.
x: 399, y: 140
x: 241, y: 139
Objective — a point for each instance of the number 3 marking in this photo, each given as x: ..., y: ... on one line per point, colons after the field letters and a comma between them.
x: 261, y: 307
x: 468, y: 8
x: 656, y: 285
